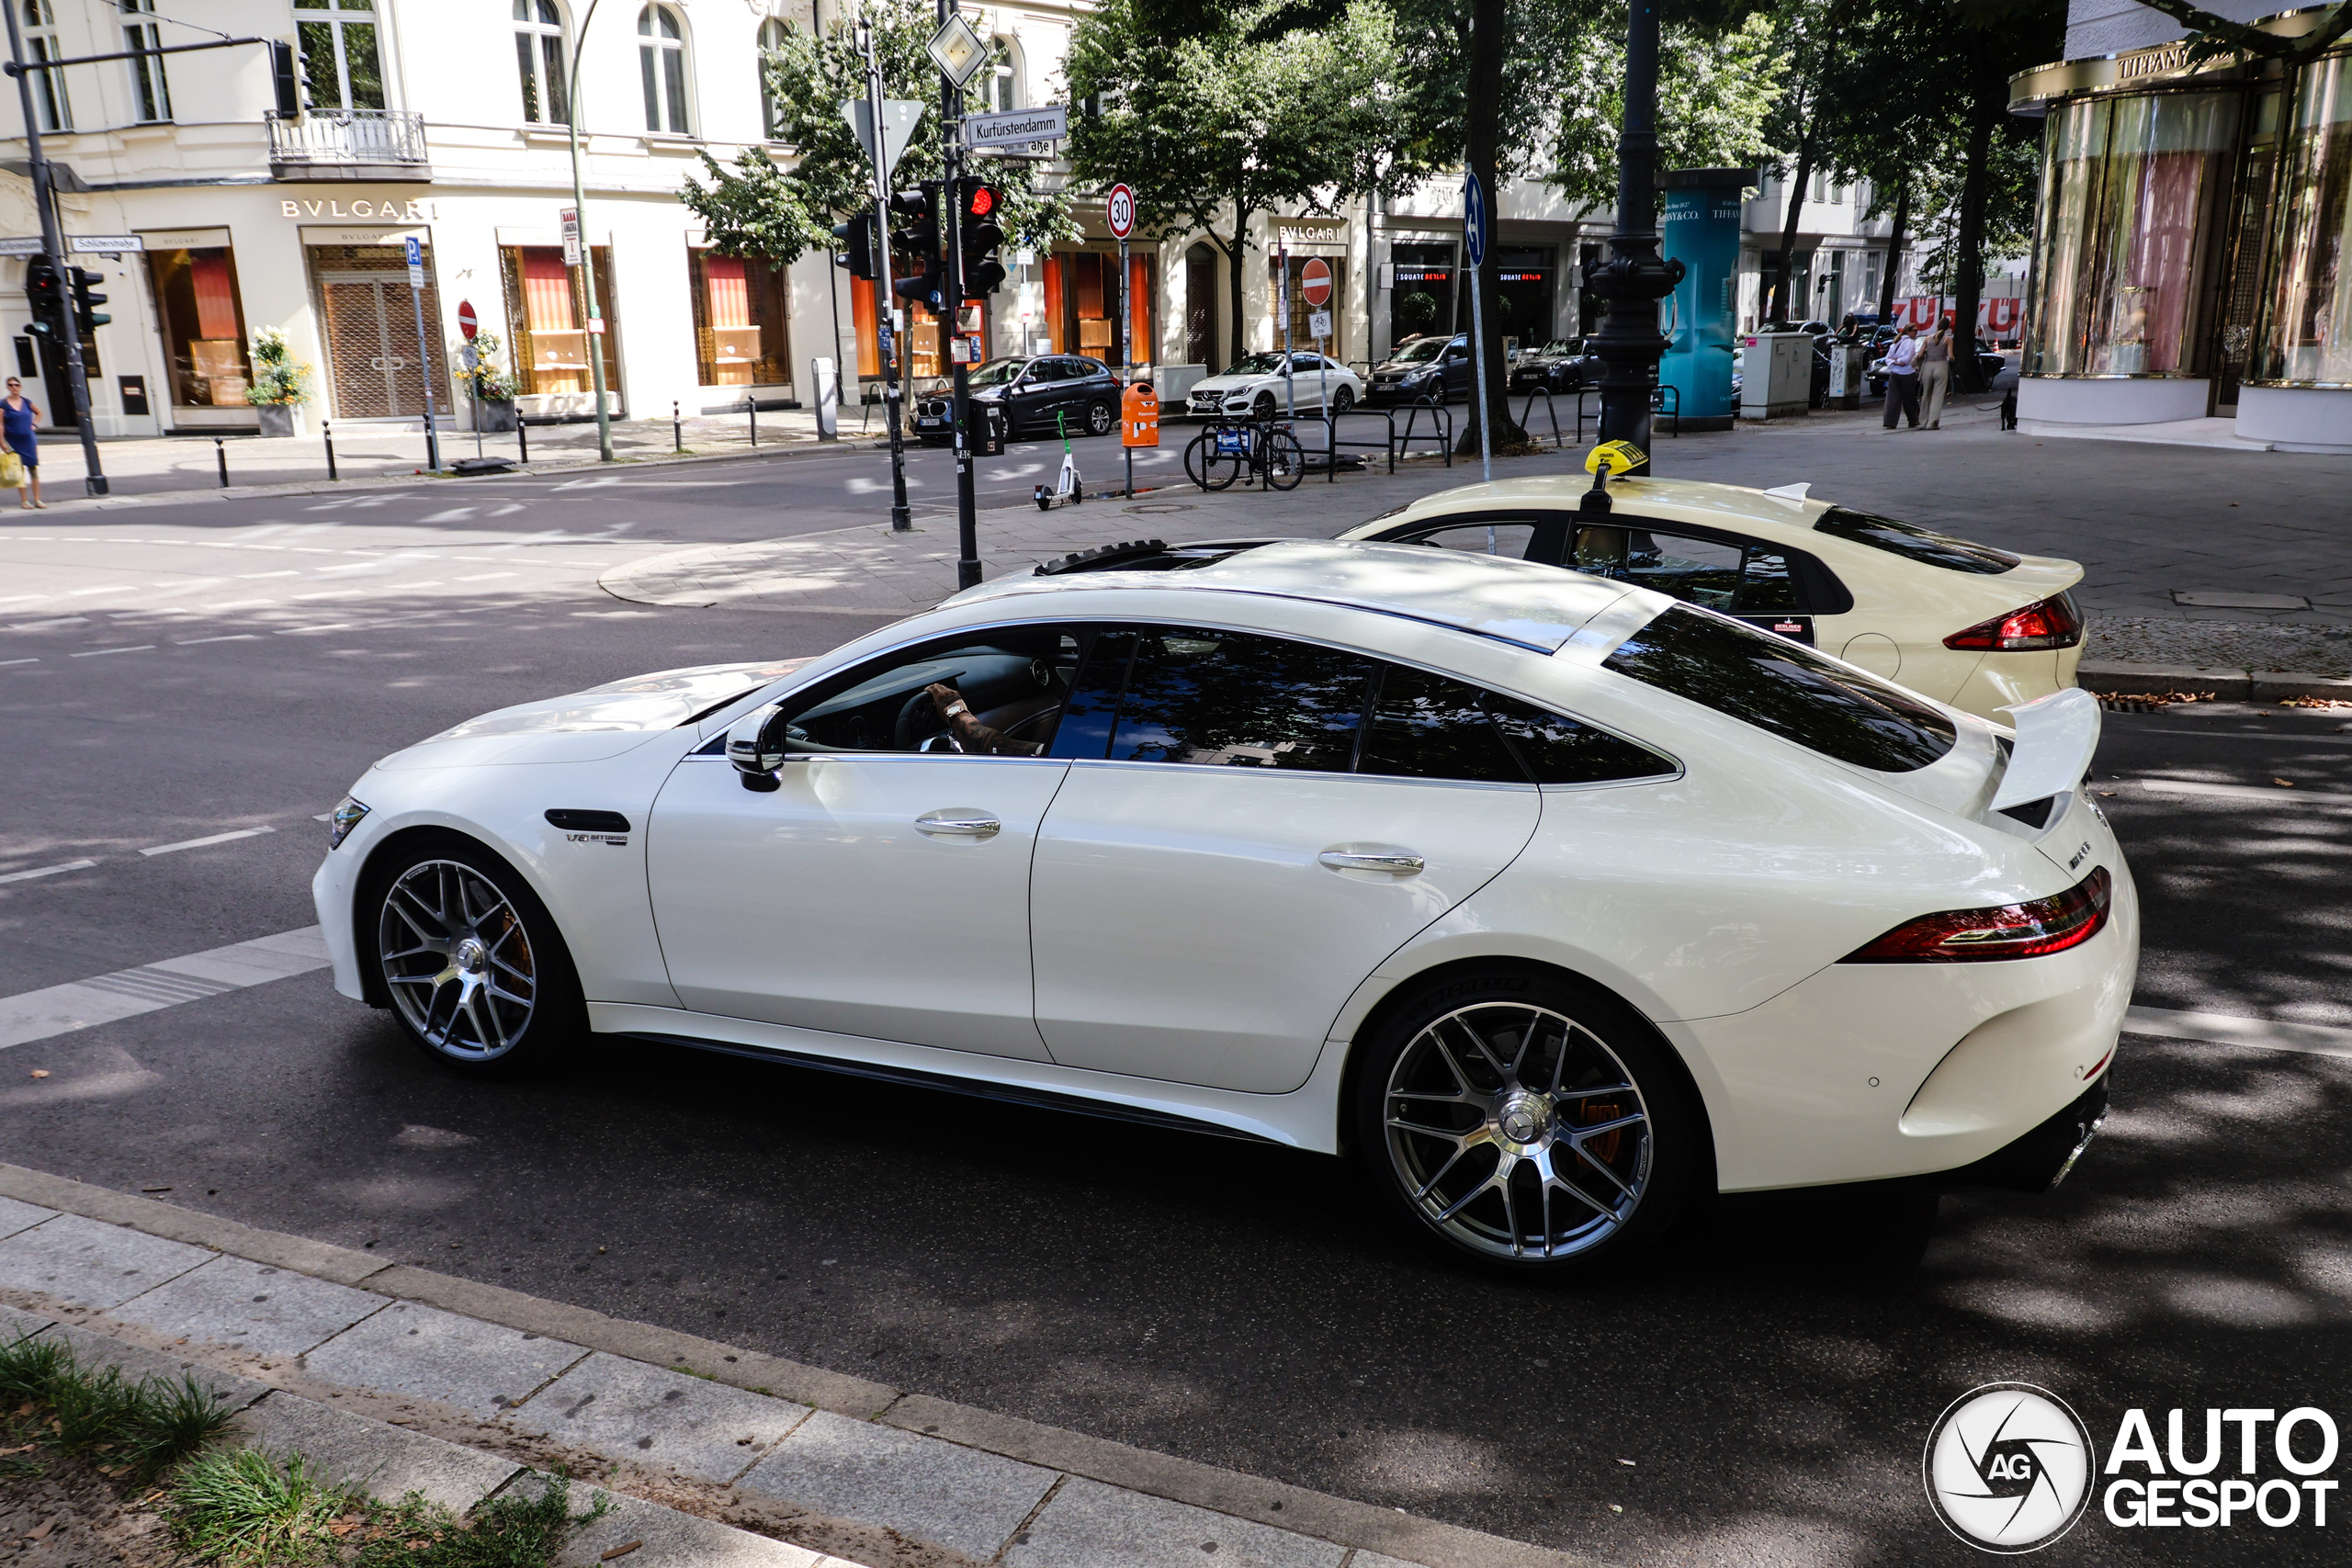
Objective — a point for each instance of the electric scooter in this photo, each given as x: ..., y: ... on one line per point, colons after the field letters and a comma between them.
x: 1067, y: 491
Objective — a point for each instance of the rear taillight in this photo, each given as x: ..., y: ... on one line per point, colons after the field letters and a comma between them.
x: 2005, y: 931
x: 2049, y: 623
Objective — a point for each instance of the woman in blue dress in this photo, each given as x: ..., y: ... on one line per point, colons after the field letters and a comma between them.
x: 18, y: 413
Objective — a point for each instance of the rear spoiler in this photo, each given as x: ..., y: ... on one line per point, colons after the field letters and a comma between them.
x: 2056, y: 735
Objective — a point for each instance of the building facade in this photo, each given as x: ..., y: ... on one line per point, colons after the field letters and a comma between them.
x: 2194, y: 223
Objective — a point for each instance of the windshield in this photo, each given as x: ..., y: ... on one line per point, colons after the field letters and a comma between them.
x: 997, y: 373
x: 1922, y: 545
x: 1787, y: 688
x: 1418, y: 353
x: 1257, y: 365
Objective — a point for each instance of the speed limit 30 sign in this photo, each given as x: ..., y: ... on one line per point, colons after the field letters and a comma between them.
x: 1120, y: 210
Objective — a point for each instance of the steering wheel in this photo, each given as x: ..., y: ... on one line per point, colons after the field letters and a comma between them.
x: 912, y: 729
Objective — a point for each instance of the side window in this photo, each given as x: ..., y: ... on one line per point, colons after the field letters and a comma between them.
x: 1425, y: 727
x: 1222, y: 699
x: 1014, y: 681
x: 1766, y: 587
x: 1485, y: 536
x: 1560, y: 751
x: 1733, y: 579
x: 1093, y: 703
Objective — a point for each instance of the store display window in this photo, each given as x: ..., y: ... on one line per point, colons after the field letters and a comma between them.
x: 1083, y: 300
x: 203, y: 325
x: 549, y: 320
x: 1422, y: 288
x: 2306, y: 334
x: 740, y: 336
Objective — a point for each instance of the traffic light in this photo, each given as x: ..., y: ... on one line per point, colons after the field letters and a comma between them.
x: 47, y: 293
x: 286, y: 78
x: 854, y: 240
x: 87, y: 317
x: 918, y: 239
x: 977, y: 204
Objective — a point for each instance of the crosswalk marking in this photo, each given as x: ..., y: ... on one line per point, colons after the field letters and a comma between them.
x: 150, y: 987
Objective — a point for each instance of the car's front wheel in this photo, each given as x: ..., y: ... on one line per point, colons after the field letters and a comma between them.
x: 469, y: 959
x: 1526, y: 1120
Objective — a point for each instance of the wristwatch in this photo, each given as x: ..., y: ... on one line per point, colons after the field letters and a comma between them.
x: 954, y: 708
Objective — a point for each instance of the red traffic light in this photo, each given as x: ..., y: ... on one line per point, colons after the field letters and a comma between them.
x: 981, y: 202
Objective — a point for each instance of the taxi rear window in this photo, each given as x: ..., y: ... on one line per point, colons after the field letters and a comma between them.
x: 1922, y: 545
x: 1786, y: 688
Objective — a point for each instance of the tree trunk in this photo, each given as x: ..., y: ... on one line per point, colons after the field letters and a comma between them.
x: 1482, y: 148
x: 1965, y: 374
x: 1893, y: 254
x: 1785, y: 258
x: 1234, y: 253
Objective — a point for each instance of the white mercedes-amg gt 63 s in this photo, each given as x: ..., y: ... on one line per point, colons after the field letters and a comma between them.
x: 1553, y: 899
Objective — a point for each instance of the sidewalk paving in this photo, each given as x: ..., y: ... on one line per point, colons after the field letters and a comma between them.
x: 715, y: 1457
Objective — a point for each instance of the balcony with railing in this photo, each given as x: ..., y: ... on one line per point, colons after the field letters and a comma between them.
x: 350, y: 144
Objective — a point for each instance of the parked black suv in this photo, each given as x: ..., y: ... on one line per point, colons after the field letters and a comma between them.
x: 1032, y: 391
x: 1437, y: 368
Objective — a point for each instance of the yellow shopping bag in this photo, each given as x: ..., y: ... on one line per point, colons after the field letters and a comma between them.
x: 12, y: 470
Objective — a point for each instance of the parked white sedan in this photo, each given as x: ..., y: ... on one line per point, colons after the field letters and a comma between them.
x: 1255, y: 387
x: 1553, y: 898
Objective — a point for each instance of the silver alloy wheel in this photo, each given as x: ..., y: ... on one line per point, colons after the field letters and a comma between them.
x: 1517, y: 1132
x: 457, y: 960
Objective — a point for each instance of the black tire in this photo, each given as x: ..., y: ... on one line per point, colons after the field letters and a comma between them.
x: 1561, y: 1054
x: 1207, y: 468
x: 434, y: 896
x: 1099, y: 418
x: 1285, y: 460
x: 1263, y: 408
x: 1342, y: 401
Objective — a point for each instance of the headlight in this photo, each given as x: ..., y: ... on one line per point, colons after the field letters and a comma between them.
x: 342, y: 821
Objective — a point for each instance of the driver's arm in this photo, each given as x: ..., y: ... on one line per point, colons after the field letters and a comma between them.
x: 972, y: 735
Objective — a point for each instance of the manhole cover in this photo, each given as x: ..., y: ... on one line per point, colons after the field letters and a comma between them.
x: 2241, y: 601
x: 1153, y: 507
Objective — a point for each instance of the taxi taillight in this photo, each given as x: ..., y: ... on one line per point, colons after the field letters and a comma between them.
x: 2046, y: 623
x: 2005, y: 931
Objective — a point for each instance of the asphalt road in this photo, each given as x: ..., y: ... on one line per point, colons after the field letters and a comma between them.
x: 1772, y: 1382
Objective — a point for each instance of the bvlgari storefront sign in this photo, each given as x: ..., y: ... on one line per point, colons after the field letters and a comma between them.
x: 391, y: 210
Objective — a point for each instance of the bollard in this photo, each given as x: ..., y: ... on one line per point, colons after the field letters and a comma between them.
x: 754, y: 410
x: 522, y: 440
x: 326, y: 428
x: 677, y: 431
x: 220, y: 450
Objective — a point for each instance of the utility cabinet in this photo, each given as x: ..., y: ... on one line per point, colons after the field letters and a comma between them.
x: 1776, y: 375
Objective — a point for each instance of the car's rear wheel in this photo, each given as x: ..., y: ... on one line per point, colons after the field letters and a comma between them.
x: 1342, y: 401
x: 1099, y: 418
x: 1529, y: 1121
x: 476, y: 973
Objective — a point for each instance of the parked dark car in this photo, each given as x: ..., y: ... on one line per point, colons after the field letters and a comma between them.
x: 1988, y: 359
x: 1032, y: 391
x: 1560, y: 366
x: 1420, y: 367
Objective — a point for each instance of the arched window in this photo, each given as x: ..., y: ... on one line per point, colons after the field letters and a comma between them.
x: 49, y: 86
x: 340, y: 62
x: 999, y: 84
x: 662, y: 60
x: 539, y: 55
x: 771, y: 111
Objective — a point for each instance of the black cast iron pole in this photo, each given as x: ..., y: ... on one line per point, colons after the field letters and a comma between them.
x: 951, y: 319
x: 1634, y: 278
x: 52, y: 240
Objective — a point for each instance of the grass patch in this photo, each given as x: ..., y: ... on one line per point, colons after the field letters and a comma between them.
x: 129, y: 1431
x: 244, y: 1509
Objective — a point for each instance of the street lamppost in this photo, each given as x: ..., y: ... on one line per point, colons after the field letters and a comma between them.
x: 1634, y: 278
x: 595, y: 334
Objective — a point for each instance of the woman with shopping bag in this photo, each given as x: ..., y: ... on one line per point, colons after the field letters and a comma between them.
x: 18, y: 414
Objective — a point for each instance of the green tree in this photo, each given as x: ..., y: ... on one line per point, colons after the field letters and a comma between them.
x: 783, y: 210
x: 1216, y: 114
x: 1716, y: 88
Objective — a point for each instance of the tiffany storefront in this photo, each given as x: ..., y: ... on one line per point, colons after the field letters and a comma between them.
x: 2193, y: 247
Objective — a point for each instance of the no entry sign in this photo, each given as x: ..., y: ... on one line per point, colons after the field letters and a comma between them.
x: 467, y: 323
x: 1314, y: 281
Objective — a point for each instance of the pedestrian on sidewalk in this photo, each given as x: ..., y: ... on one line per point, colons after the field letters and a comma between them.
x: 1935, y: 371
x: 1903, y: 376
x: 18, y: 414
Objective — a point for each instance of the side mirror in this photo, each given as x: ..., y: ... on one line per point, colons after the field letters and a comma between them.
x: 756, y: 745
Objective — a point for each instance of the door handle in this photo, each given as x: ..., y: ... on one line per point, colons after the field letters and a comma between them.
x: 1396, y: 863
x: 959, y: 822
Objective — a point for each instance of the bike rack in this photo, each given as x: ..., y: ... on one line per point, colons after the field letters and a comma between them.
x: 1332, y: 443
x: 1551, y: 409
x: 1664, y: 399
x: 1441, y: 429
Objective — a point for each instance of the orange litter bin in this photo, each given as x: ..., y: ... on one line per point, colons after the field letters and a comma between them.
x: 1139, y: 425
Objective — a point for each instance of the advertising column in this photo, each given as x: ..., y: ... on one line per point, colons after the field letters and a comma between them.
x: 1701, y: 231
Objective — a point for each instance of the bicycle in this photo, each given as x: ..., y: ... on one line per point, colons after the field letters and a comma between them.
x: 1223, y: 451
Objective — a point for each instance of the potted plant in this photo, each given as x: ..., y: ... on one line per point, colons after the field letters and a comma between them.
x: 488, y: 383
x: 281, y: 385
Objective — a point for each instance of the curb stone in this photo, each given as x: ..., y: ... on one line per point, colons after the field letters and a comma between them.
x: 2227, y: 686
x: 1100, y: 1496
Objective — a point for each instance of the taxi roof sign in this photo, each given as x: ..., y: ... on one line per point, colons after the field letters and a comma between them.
x: 1617, y: 457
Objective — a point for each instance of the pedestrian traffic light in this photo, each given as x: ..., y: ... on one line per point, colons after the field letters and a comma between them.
x: 286, y: 77
x: 87, y: 317
x: 979, y: 205
x: 854, y: 240
x: 47, y: 293
x: 917, y: 240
